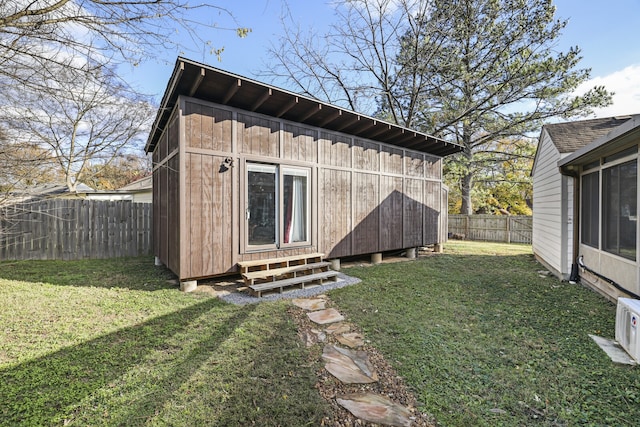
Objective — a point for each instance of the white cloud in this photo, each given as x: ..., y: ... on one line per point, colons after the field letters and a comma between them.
x: 626, y: 85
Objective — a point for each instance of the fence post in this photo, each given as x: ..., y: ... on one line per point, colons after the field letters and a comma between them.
x: 508, y: 229
x: 467, y: 227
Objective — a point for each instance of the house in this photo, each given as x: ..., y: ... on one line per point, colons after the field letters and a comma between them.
x: 246, y: 171
x: 45, y: 191
x: 584, y: 202
x: 139, y: 191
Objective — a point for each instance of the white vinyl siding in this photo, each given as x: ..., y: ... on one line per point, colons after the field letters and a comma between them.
x: 552, y: 209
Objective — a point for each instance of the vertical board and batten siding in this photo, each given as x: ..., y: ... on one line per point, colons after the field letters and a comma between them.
x: 335, y: 212
x: 366, y: 196
x: 550, y: 211
x: 71, y: 229
x: 365, y: 213
x: 412, y: 213
x: 391, y: 204
x: 166, y: 211
x: 208, y: 190
x: 299, y: 143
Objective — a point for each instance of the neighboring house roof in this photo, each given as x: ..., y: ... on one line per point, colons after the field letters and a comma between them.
x: 204, y: 82
x: 45, y: 191
x: 145, y: 183
x: 571, y: 136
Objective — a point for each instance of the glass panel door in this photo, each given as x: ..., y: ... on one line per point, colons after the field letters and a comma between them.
x: 262, y: 214
x: 295, y: 205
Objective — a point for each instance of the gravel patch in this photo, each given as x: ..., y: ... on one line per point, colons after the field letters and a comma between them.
x: 243, y: 298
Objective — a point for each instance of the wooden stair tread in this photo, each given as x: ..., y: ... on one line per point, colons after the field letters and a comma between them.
x: 264, y: 274
x: 261, y: 262
x: 293, y: 281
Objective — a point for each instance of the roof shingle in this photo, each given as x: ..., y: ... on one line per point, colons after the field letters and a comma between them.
x: 571, y: 136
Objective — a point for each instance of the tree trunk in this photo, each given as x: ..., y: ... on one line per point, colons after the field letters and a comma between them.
x: 467, y: 184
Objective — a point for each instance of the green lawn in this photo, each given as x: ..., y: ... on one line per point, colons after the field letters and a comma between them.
x: 480, y: 337
x: 112, y: 343
x: 483, y: 340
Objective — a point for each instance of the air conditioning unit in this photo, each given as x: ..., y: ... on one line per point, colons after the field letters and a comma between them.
x: 627, y: 324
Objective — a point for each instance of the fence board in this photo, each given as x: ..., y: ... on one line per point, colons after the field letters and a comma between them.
x: 491, y: 228
x: 75, y: 229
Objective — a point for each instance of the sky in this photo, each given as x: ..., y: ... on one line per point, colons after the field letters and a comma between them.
x: 607, y: 33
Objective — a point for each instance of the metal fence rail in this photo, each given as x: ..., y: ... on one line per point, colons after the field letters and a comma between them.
x: 75, y: 229
x: 491, y: 228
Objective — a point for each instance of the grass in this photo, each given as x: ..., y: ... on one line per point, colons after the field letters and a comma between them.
x: 484, y: 340
x: 112, y: 343
x: 477, y: 333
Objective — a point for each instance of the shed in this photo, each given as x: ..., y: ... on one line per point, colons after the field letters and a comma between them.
x: 578, y: 209
x: 246, y: 171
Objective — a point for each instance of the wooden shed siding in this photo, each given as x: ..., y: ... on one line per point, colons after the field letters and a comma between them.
x: 391, y: 201
x: 413, y: 211
x: 207, y: 127
x: 414, y: 164
x: 432, y: 198
x: 547, y: 205
x: 334, y: 213
x: 433, y: 167
x: 172, y: 245
x: 209, y: 217
x: 335, y: 150
x: 300, y: 143
x: 366, y: 193
x: 365, y: 155
x: 258, y: 135
x: 366, y: 196
x: 391, y: 160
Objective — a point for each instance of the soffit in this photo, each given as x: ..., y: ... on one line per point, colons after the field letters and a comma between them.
x: 201, y: 81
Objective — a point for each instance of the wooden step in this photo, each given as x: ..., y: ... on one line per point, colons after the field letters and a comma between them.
x: 273, y: 263
x: 299, y: 280
x: 270, y: 275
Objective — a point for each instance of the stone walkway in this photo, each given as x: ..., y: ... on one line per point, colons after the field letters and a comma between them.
x: 350, y: 365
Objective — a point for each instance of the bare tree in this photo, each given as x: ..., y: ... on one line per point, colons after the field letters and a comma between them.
x: 355, y: 63
x: 36, y: 33
x: 22, y: 165
x: 86, y: 118
x: 58, y: 72
x: 471, y: 71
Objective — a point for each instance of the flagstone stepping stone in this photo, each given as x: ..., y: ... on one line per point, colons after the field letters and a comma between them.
x: 322, y: 317
x: 310, y: 304
x: 313, y: 336
x: 349, y: 366
x: 338, y: 328
x: 352, y: 340
x: 376, y: 409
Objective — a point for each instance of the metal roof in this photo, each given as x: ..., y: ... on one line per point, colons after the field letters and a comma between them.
x: 204, y: 82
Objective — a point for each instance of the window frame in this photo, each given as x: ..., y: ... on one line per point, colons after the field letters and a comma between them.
x: 590, y: 199
x: 281, y: 169
x: 607, y: 169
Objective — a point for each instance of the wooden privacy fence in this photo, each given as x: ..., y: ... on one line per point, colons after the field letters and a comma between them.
x: 491, y: 228
x: 75, y: 229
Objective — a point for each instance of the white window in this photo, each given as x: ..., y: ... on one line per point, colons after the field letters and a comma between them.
x: 278, y: 206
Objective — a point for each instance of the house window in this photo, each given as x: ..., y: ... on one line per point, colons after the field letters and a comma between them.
x: 278, y: 206
x: 619, y: 222
x: 590, y: 208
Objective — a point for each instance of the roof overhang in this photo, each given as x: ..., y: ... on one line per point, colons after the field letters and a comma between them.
x: 618, y: 139
x: 201, y: 81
